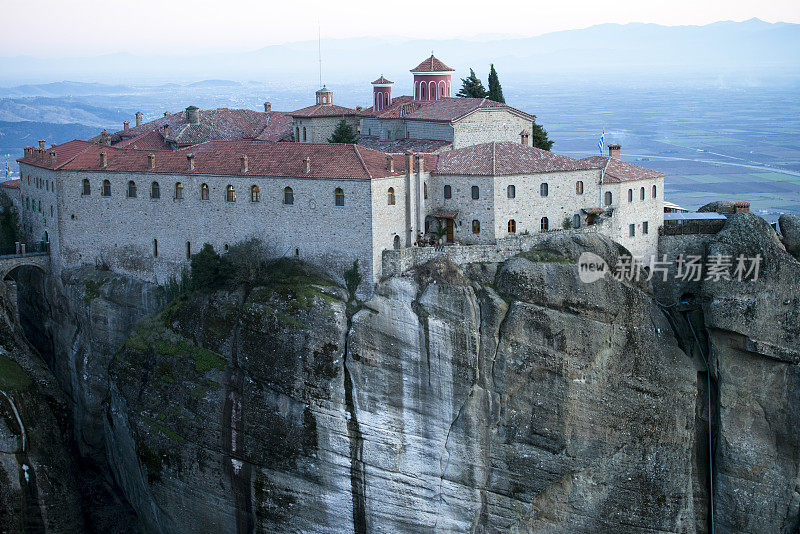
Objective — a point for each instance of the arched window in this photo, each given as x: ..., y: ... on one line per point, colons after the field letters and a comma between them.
x: 432, y: 91
x: 255, y: 194
x: 579, y: 187
x: 576, y: 221
x: 155, y: 190
x: 441, y: 89
x: 87, y: 188
x: 304, y: 133
x: 396, y: 242
x: 655, y: 191
x: 425, y: 190
x: 545, y: 224
x: 641, y: 193
x: 338, y: 197
x: 609, y: 198
x: 204, y: 192
x: 230, y: 194
x: 512, y: 226
x: 390, y: 196
x: 288, y: 196
x: 448, y: 192
x: 476, y: 226
x: 178, y: 191
x: 131, y: 189
x: 422, y: 92
x: 476, y: 192
x: 544, y: 189
x: 106, y: 192
x: 630, y: 195
x: 511, y: 191
x: 297, y: 134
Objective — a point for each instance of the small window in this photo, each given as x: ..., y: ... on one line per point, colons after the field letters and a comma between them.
x: 655, y: 190
x: 40, y: 206
x: 476, y: 192
x: 390, y: 196
x: 338, y: 197
x: 188, y: 250
x: 204, y: 192
x: 576, y: 221
x: 644, y: 228
x: 155, y: 190
x: 106, y: 192
x: 230, y: 194
x: 51, y: 211
x: 511, y: 191
x: 288, y: 196
x: 297, y: 134
x: 630, y: 195
x: 155, y: 248
x: 641, y: 193
x: 448, y: 192
x: 579, y: 187
x: 425, y: 190
x: 512, y: 226
x: 87, y: 188
x: 476, y: 226
x: 632, y: 230
x: 545, y: 224
x: 131, y: 189
x: 255, y: 194
x: 609, y: 198
x: 178, y: 191
x: 304, y: 133
x: 544, y: 190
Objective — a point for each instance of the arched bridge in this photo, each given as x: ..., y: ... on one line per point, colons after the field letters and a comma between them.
x: 36, y: 255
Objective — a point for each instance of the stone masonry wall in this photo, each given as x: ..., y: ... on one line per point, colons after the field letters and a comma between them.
x: 388, y: 220
x: 468, y: 209
x: 39, y: 200
x: 429, y: 130
x: 320, y: 129
x: 121, y: 231
x: 486, y: 125
x: 636, y: 212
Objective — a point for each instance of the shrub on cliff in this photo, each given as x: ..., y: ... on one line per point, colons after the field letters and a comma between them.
x: 209, y: 270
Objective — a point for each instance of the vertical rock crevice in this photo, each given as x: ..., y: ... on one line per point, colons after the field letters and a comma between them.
x: 358, y: 481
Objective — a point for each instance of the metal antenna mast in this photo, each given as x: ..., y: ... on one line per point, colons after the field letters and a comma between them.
x: 319, y: 51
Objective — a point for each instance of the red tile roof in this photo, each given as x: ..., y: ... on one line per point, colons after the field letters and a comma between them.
x: 65, y: 153
x: 11, y: 184
x: 495, y: 159
x: 431, y: 64
x: 265, y: 158
x: 400, y: 107
x: 454, y: 108
x: 381, y: 80
x: 616, y: 170
x: 324, y: 110
x: 152, y: 140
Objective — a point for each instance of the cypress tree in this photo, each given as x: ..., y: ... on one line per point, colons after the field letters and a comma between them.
x: 539, y: 137
x: 471, y: 87
x: 495, y: 90
x: 343, y: 133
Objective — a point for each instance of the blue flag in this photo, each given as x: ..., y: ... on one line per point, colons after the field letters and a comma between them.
x: 8, y: 171
x: 601, y: 142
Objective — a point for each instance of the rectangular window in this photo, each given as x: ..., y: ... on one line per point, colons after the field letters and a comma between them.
x: 476, y: 226
x: 632, y: 230
x: 644, y: 228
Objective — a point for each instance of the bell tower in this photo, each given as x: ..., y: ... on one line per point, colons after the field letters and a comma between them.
x: 431, y: 80
x: 324, y: 97
x: 381, y: 94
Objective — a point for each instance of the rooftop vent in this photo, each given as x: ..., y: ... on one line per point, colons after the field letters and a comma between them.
x: 244, y: 165
x: 614, y: 150
x: 53, y: 158
x: 307, y: 164
x: 151, y: 161
x: 267, y: 107
x: 193, y: 115
x: 41, y: 143
x: 138, y: 118
x: 389, y: 163
x: 126, y: 125
x: 190, y: 162
x: 103, y: 160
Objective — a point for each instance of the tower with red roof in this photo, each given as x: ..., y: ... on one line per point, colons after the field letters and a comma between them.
x: 381, y: 93
x: 431, y: 80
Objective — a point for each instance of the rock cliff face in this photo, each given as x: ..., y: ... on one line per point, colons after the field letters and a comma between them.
x: 506, y: 397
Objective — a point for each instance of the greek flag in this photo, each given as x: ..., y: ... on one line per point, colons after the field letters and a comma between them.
x: 602, y: 142
x: 8, y: 171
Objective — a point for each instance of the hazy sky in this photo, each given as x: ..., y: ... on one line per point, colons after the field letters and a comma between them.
x: 93, y: 27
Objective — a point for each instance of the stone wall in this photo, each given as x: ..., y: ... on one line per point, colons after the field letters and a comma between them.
x: 487, y: 125
x: 320, y: 129
x: 396, y: 262
x: 39, y: 191
x: 122, y: 232
x: 636, y: 212
x: 388, y: 220
x: 429, y: 130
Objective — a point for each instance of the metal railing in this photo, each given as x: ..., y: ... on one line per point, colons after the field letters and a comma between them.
x: 23, y: 249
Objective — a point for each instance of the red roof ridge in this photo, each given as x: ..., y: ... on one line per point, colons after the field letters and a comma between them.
x: 355, y: 147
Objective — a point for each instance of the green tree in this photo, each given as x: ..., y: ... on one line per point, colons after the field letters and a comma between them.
x: 472, y: 87
x: 9, y: 226
x: 343, y: 133
x: 495, y: 90
x: 539, y: 137
x: 209, y: 270
x: 352, y: 279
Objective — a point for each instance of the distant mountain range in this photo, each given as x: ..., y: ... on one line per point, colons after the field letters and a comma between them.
x: 752, y: 46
